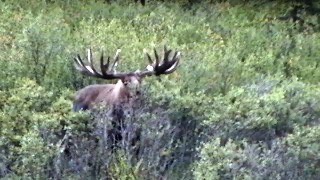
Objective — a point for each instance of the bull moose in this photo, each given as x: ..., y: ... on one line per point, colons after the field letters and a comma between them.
x: 120, y: 96
x: 128, y: 84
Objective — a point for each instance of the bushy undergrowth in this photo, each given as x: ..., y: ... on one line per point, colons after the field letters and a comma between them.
x: 258, y: 132
x: 243, y: 104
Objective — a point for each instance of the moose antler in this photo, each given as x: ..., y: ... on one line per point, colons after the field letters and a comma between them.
x: 166, y: 66
x: 104, y: 73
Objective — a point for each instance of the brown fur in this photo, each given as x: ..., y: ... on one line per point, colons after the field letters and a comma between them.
x: 105, y: 94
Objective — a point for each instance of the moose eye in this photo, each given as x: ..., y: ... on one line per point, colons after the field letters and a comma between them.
x: 126, y: 83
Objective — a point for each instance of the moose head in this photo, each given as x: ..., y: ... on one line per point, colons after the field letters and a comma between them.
x: 128, y: 84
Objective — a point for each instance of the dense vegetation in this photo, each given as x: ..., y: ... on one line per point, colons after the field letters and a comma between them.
x: 244, y: 103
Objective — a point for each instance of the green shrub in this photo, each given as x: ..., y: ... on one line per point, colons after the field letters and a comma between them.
x: 294, y: 157
x: 265, y: 110
x: 242, y: 160
x: 31, y: 123
x: 303, y: 143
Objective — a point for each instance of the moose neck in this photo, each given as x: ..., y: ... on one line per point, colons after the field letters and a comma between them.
x: 120, y: 91
x: 119, y: 88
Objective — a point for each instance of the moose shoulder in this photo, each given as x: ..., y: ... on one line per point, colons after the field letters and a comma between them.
x: 128, y: 84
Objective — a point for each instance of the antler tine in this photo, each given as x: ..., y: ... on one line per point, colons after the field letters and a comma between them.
x: 150, y: 66
x: 116, y: 59
x: 78, y: 62
x: 104, y: 67
x: 166, y: 54
x: 92, y: 69
x: 176, y: 55
x: 80, y: 66
x: 148, y: 56
x: 173, y: 63
x: 156, y: 56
